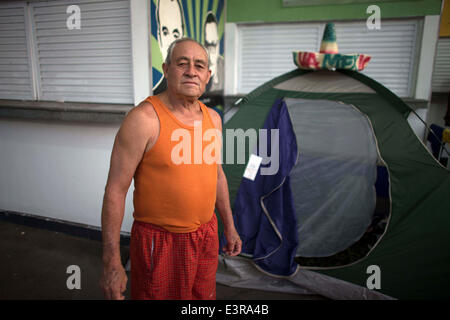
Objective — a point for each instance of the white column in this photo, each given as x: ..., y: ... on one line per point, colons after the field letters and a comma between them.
x: 140, y: 41
x: 231, y: 58
x: 426, y: 57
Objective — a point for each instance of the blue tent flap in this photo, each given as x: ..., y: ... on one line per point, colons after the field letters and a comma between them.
x: 264, y: 211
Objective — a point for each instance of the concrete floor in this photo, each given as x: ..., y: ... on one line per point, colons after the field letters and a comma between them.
x: 34, y: 266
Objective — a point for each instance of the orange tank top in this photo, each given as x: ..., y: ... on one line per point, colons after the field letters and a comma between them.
x: 174, y: 190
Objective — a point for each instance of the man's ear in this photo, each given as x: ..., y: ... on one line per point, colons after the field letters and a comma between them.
x: 164, y: 68
x: 209, y: 75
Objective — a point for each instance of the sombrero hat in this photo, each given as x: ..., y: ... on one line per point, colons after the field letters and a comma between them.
x: 329, y: 57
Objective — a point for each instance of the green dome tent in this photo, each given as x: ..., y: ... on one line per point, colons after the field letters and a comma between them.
x: 356, y: 198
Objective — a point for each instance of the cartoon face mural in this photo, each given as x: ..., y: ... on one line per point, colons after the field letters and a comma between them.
x: 212, y: 42
x: 202, y: 20
x: 170, y: 24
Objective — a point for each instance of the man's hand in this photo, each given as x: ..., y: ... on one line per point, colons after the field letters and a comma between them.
x: 234, y: 243
x: 114, y: 281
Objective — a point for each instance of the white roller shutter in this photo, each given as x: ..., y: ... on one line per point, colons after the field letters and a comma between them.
x: 92, y: 64
x: 266, y: 50
x: 392, y: 48
x: 441, y: 73
x: 15, y: 66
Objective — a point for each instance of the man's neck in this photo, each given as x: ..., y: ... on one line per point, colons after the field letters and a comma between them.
x: 178, y: 103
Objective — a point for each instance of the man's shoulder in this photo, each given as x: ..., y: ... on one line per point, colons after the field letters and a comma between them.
x: 141, y: 119
x: 144, y: 112
x: 215, y: 117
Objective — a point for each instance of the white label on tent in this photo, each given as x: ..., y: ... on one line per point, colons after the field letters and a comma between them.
x: 252, y: 167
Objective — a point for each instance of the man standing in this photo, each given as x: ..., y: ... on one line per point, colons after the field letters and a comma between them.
x: 174, y: 240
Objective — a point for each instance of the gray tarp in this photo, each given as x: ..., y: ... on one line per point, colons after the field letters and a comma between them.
x: 241, y: 272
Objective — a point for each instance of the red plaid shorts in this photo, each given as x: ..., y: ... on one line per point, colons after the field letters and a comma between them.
x: 169, y: 266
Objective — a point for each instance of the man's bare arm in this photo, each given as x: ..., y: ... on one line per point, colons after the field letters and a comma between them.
x: 234, y: 243
x: 129, y: 146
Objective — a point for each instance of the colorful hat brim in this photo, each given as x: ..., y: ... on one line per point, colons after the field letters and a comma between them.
x: 328, y: 61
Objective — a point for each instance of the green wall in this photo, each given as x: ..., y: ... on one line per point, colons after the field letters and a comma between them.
x: 273, y: 10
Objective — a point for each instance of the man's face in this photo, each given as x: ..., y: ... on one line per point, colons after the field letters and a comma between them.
x: 188, y: 72
x: 170, y: 24
x: 212, y: 44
